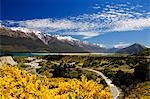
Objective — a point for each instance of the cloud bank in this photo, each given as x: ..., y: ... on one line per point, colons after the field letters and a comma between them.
x: 112, y: 18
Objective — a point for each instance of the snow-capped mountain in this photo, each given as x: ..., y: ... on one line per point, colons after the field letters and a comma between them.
x: 42, y: 36
x: 54, y: 43
x: 25, y: 40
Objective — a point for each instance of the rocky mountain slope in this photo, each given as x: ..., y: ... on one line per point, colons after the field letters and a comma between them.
x: 20, y: 41
x: 17, y: 41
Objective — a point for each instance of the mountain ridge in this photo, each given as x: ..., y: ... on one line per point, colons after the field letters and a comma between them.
x: 26, y: 40
x: 49, y: 43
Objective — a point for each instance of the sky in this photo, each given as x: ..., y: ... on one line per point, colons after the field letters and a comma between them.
x: 110, y: 23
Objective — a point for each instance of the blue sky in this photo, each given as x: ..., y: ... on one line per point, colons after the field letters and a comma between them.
x: 107, y: 22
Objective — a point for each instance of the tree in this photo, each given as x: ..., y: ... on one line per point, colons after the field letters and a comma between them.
x: 142, y: 72
x: 73, y: 74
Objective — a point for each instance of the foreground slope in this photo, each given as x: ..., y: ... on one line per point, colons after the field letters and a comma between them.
x: 15, y: 83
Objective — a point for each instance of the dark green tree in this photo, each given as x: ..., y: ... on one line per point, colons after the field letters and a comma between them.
x: 142, y: 71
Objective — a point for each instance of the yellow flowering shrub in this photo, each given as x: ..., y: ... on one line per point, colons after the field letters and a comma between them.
x: 15, y: 83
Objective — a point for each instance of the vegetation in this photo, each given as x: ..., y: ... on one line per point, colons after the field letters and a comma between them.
x: 139, y: 91
x: 63, y: 70
x: 21, y: 59
x: 15, y: 83
x: 124, y: 71
x: 146, y: 52
x: 142, y: 71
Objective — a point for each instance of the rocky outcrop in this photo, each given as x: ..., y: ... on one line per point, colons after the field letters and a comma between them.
x: 7, y: 60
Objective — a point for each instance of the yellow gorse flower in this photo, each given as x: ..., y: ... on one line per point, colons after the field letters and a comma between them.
x: 15, y: 83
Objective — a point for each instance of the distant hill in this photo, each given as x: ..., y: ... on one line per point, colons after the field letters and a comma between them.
x: 133, y: 49
x: 112, y: 50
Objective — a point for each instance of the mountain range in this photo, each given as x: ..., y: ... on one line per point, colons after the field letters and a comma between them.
x: 23, y: 40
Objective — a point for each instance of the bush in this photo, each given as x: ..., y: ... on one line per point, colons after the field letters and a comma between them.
x: 15, y: 83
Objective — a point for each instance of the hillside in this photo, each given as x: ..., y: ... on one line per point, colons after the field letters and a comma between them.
x: 59, y: 46
x: 15, y: 83
x: 13, y: 40
x: 17, y: 41
x: 146, y: 52
x: 133, y: 49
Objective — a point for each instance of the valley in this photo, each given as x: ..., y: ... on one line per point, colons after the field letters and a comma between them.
x: 120, y: 73
x: 75, y: 49
x: 114, y: 72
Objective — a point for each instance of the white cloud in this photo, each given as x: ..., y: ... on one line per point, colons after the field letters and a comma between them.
x: 66, y: 26
x: 69, y: 38
x: 100, y: 45
x: 1, y: 24
x: 148, y: 46
x: 86, y: 35
x: 113, y: 18
x: 121, y: 45
x: 48, y: 23
x: 26, y: 30
x: 132, y: 24
x: 96, y: 7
